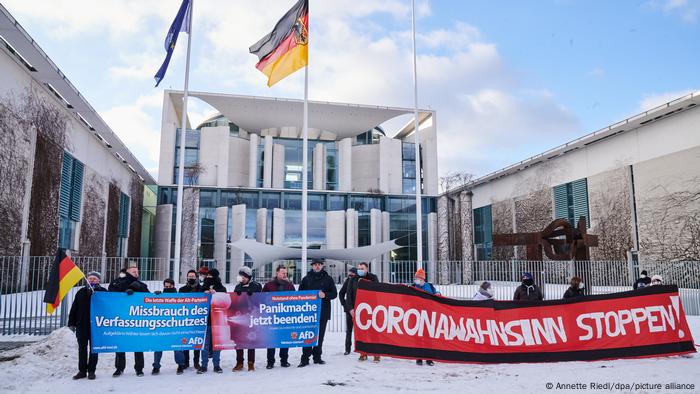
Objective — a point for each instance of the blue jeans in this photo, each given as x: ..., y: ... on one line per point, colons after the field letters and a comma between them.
x: 207, y: 349
x: 179, y: 358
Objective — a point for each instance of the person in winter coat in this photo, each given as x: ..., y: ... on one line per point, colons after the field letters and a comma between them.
x: 279, y: 283
x: 351, y: 296
x: 643, y: 281
x: 419, y: 282
x: 528, y: 290
x: 246, y: 284
x: 210, y: 285
x: 79, y: 323
x: 575, y: 289
x: 128, y: 282
x: 342, y: 296
x: 192, y: 286
x: 168, y: 288
x: 485, y: 292
x: 318, y: 279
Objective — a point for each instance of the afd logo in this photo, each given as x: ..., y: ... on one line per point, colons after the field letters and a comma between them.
x: 197, y: 341
x: 307, y: 336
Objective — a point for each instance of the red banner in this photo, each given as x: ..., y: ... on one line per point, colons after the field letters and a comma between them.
x: 401, y: 321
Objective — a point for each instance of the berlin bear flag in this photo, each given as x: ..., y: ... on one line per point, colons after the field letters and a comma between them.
x: 401, y: 321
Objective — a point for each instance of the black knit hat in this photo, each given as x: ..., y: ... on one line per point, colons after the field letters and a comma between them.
x: 213, y: 272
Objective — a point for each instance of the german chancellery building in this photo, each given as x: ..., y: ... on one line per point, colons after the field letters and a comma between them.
x: 243, y: 171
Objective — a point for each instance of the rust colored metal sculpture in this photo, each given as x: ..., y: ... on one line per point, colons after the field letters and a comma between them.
x: 558, y: 241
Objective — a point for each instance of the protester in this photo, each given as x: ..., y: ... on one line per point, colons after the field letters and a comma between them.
x: 318, y: 279
x: 643, y: 281
x: 419, y: 282
x: 279, y: 283
x: 352, y: 272
x: 362, y: 273
x: 211, y: 284
x: 485, y: 292
x: 657, y: 280
x: 192, y: 286
x: 168, y: 288
x: 575, y: 289
x: 246, y: 284
x: 203, y: 271
x: 128, y: 282
x: 79, y: 323
x: 528, y: 290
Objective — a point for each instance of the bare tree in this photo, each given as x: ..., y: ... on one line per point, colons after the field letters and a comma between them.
x: 193, y: 172
x: 455, y: 179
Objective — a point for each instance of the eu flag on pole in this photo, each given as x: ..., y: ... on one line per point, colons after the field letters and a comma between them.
x: 180, y: 24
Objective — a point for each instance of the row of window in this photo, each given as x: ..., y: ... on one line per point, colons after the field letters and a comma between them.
x: 570, y: 202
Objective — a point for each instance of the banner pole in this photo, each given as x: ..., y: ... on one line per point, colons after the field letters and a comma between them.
x: 419, y: 214
x: 181, y: 159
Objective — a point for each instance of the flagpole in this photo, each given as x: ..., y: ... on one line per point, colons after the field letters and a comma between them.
x: 304, y: 182
x: 181, y: 159
x: 419, y: 214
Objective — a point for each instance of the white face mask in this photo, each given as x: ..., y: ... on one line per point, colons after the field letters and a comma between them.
x: 641, y: 276
x: 419, y: 282
x: 122, y: 275
x: 201, y: 277
x: 239, y: 279
x: 581, y: 286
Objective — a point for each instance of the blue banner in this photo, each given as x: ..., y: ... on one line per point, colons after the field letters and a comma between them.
x: 144, y: 322
x: 265, y: 320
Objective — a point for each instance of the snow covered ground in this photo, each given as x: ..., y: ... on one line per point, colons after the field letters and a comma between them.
x: 47, y: 366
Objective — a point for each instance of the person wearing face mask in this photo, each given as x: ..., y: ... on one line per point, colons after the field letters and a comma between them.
x: 484, y: 293
x: 168, y: 288
x: 128, y: 282
x: 192, y: 285
x: 657, y: 280
x: 280, y: 283
x: 318, y: 279
x: 420, y: 283
x: 246, y: 284
x: 203, y: 271
x: 528, y: 290
x: 362, y: 273
x: 643, y: 281
x: 576, y: 288
x: 212, y: 284
x: 79, y: 323
x: 342, y: 296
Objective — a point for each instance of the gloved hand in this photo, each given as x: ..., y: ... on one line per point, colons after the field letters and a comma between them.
x: 237, y: 292
x: 129, y: 292
x: 72, y: 328
x: 157, y: 292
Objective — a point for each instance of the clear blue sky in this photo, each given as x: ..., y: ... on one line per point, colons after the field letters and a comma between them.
x: 508, y: 79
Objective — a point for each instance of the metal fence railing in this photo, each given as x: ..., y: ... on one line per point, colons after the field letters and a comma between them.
x: 22, y: 281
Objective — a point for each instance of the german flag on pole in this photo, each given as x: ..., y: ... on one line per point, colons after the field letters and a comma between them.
x: 286, y: 48
x: 63, y: 276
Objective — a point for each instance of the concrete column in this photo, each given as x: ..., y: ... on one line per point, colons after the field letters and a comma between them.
x: 350, y: 228
x: 220, y: 236
x: 261, y: 225
x: 253, y: 161
x: 335, y: 229
x: 237, y: 232
x: 375, y: 232
x: 345, y: 165
x: 386, y: 225
x: 278, y: 224
x: 278, y: 166
x: 432, y: 244
x: 319, y: 167
x: 467, y: 220
x: 190, y: 231
x: 267, y: 162
x: 163, y: 239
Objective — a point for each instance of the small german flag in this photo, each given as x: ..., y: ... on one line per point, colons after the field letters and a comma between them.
x: 63, y: 276
x: 286, y: 48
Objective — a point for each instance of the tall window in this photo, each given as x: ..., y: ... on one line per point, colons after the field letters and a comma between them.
x: 191, y: 156
x: 483, y: 233
x: 124, y: 205
x: 69, y: 200
x: 331, y: 167
x: 571, y: 201
x: 408, y: 155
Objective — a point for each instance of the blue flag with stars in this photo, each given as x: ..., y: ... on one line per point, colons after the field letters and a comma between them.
x: 180, y: 24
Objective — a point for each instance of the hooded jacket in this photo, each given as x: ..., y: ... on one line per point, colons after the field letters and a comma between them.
x: 528, y: 292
